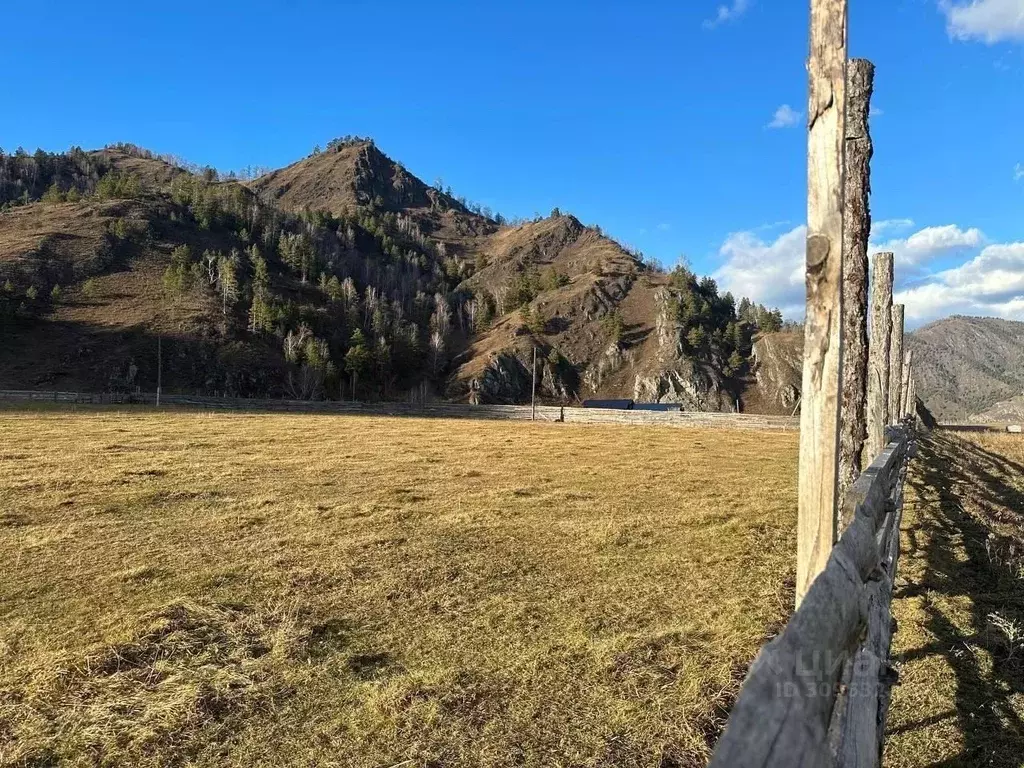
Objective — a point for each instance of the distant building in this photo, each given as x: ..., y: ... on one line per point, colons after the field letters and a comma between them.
x: 621, y: 405
x: 629, y: 405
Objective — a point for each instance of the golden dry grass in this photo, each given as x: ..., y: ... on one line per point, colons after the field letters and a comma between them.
x: 960, y: 607
x: 188, y: 588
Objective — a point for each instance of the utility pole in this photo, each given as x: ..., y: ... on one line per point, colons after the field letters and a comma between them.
x: 533, y: 393
x: 159, y: 367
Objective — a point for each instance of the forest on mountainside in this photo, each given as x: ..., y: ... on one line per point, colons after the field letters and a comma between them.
x: 361, y: 302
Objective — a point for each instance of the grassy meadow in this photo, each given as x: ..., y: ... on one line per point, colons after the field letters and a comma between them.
x: 185, y: 588
x: 959, y: 605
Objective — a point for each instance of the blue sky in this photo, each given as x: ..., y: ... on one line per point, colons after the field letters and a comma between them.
x: 651, y: 118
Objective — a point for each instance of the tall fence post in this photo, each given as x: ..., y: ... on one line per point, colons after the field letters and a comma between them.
x: 878, y: 354
x: 860, y: 82
x: 908, y: 359
x: 912, y: 403
x: 823, y: 334
x: 896, y: 365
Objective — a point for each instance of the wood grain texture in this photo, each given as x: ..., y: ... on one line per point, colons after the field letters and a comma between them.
x: 860, y: 82
x: 787, y: 706
x: 822, y: 362
x: 908, y: 359
x: 896, y: 365
x: 878, y: 355
x: 912, y: 404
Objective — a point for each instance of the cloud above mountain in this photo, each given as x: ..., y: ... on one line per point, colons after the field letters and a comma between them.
x: 990, y: 284
x: 989, y: 280
x: 771, y: 273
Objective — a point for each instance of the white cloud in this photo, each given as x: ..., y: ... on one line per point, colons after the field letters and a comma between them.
x: 889, y: 225
x: 784, y: 117
x: 928, y: 244
x: 990, y: 21
x: 769, y: 273
x: 664, y: 227
x: 991, y: 284
x: 1018, y: 172
x: 876, y: 111
x: 726, y: 13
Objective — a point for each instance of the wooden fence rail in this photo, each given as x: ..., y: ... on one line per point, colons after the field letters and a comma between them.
x: 548, y: 413
x: 818, y: 693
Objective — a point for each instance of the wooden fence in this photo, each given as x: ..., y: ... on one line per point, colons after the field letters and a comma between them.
x: 549, y: 413
x: 818, y: 693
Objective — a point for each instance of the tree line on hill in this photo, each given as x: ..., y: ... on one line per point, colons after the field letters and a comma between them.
x: 363, y: 303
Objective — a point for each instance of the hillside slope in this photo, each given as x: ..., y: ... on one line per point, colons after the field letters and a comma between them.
x: 103, y: 252
x: 353, y: 175
x: 967, y: 365
x: 345, y: 275
x: 598, y: 318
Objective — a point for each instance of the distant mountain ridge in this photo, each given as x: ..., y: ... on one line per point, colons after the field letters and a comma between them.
x: 970, y: 367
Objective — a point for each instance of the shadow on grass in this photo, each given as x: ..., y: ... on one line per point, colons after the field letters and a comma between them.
x: 967, y: 498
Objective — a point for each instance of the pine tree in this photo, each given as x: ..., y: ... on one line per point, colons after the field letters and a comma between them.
x: 357, y: 358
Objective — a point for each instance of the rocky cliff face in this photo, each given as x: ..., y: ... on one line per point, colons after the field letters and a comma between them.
x: 672, y: 376
x: 776, y: 373
x: 506, y: 377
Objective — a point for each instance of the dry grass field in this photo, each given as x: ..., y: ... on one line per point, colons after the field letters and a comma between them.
x: 183, y: 588
x: 960, y: 607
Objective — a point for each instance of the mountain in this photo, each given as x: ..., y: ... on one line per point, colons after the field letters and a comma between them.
x: 344, y: 273
x: 970, y: 368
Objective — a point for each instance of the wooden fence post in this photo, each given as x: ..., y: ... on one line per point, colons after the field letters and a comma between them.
x: 878, y: 355
x: 856, y: 229
x: 908, y: 358
x: 823, y: 335
x: 912, y: 405
x: 896, y: 365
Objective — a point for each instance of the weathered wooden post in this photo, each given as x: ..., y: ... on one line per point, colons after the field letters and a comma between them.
x: 860, y: 81
x: 823, y: 335
x: 908, y: 359
x: 878, y: 355
x: 896, y: 365
x: 912, y: 404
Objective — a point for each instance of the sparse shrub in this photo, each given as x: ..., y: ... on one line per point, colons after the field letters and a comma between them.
x: 552, y: 280
x: 55, y: 293
x: 32, y: 293
x: 89, y: 288
x: 533, y: 321
x: 53, y: 194
x: 613, y: 326
x: 734, y: 364
x: 118, y: 229
x: 117, y: 185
